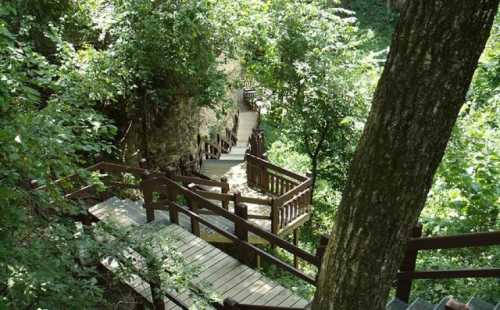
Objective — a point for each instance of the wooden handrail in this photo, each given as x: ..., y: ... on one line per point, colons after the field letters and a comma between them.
x: 246, y: 244
x: 267, y: 164
x: 455, y: 241
x: 451, y: 274
x: 295, y: 191
x: 407, y: 271
x: 203, y: 203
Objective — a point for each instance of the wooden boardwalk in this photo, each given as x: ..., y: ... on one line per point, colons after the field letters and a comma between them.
x: 134, y: 210
x: 220, y: 273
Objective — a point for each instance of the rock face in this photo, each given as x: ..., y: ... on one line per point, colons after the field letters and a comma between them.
x: 170, y: 137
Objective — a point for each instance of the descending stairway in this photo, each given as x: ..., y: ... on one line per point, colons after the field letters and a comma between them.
x: 220, y: 273
x: 216, y: 168
x: 420, y: 304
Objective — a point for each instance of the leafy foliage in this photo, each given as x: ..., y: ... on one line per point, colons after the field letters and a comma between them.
x: 307, y: 58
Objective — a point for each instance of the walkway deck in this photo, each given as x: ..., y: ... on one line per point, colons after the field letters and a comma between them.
x: 220, y: 273
x: 134, y: 211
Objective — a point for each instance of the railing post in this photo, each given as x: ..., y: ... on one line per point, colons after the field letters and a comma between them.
x: 225, y: 189
x: 147, y: 194
x: 403, y: 285
x: 275, y: 215
x: 320, y: 251
x: 173, y: 213
x: 241, y: 231
x: 264, y: 179
x: 155, y: 285
x: 296, y: 234
x: 230, y: 304
x: 172, y: 197
x: 195, y: 225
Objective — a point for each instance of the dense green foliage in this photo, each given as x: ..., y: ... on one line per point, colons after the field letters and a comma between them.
x: 73, y: 72
x: 63, y: 76
x: 307, y: 61
x: 464, y: 197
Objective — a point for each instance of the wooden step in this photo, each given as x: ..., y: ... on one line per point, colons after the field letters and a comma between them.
x: 219, y: 273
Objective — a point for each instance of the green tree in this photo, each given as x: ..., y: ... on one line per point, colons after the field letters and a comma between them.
x: 415, y: 106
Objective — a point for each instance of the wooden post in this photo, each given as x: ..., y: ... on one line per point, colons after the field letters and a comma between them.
x: 296, y: 234
x: 195, y: 225
x: 403, y: 286
x: 241, y: 231
x: 155, y: 285
x: 173, y: 213
x: 237, y: 198
x: 158, y: 303
x: 320, y: 251
x: 275, y: 213
x: 264, y: 179
x: 230, y: 304
x: 224, y: 190
x: 147, y: 194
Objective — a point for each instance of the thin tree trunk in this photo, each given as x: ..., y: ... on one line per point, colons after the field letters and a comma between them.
x: 434, y: 52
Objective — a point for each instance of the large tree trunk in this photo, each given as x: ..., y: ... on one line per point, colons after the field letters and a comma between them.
x: 434, y: 52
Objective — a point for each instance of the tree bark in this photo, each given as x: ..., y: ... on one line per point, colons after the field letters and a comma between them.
x: 434, y: 52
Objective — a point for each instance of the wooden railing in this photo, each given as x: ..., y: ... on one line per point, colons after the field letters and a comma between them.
x: 293, y: 191
x: 171, y: 189
x: 407, y: 272
x: 256, y: 143
x: 221, y: 143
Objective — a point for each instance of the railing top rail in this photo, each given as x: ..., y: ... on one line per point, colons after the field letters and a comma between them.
x: 295, y: 191
x: 455, y: 241
x: 278, y: 169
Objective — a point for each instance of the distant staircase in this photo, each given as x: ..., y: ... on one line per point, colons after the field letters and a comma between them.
x: 217, y: 168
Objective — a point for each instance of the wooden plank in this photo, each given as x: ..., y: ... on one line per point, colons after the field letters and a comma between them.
x: 280, y: 298
x: 216, y: 283
x: 302, y: 303
x: 218, y: 266
x: 241, y: 289
x: 228, y: 267
x: 277, y: 290
x: 289, y: 301
x: 262, y: 287
x: 236, y: 281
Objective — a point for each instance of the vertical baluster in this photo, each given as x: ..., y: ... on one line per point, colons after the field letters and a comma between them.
x: 272, y: 179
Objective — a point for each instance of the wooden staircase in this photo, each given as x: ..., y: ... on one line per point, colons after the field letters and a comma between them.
x: 220, y: 274
x: 217, y: 168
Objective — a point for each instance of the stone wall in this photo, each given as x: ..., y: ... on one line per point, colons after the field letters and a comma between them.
x: 173, y: 138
